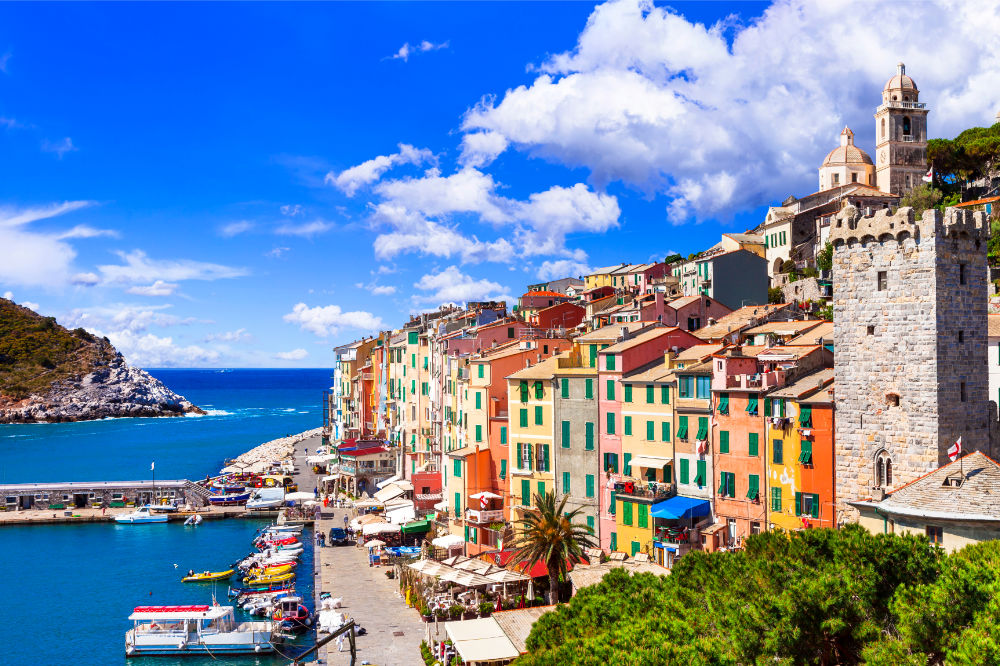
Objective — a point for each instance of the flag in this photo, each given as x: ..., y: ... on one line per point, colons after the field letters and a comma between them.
x: 955, y: 450
x: 484, y: 502
x: 152, y: 466
x: 929, y: 176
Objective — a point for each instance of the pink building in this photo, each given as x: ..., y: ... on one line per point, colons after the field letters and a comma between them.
x: 693, y: 312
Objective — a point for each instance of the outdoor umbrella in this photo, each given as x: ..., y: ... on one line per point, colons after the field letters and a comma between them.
x: 300, y: 495
x: 375, y: 543
x: 448, y: 541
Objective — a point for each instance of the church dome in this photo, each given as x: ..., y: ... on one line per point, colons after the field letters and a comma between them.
x: 901, y: 81
x: 847, y: 152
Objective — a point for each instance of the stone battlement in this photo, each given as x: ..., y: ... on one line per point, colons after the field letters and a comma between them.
x: 850, y: 224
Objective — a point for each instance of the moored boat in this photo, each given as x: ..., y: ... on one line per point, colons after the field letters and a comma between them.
x: 265, y: 579
x: 292, y: 614
x: 195, y: 630
x: 230, y: 498
x: 140, y: 515
x: 193, y: 577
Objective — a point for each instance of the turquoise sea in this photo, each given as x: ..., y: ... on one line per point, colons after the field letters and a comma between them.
x: 82, y: 581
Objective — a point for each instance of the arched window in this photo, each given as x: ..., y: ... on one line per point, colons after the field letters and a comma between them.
x: 883, y: 128
x: 906, y: 126
x: 883, y: 470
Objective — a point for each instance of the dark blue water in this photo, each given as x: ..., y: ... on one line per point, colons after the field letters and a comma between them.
x: 83, y: 580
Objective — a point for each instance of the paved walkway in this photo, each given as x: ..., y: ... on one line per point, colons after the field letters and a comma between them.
x: 394, y: 630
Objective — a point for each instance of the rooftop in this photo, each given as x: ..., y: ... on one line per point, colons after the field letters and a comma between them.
x: 611, y: 332
x: 639, y: 339
x: 816, y: 336
x: 585, y: 576
x: 807, y: 385
x: 544, y: 369
x: 698, y: 352
x: 748, y: 315
x: 516, y: 624
x: 786, y: 327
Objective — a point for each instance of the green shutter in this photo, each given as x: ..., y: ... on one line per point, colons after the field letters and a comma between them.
x: 541, y: 488
x: 682, y: 427
x: 458, y: 504
x: 590, y: 524
x: 523, y: 418
x: 530, y: 454
x: 545, y: 457
x: 588, y: 436
x: 702, y: 473
x: 565, y: 483
x: 805, y: 416
x: 503, y: 434
x: 665, y: 395
x: 628, y: 393
x: 643, y: 515
x: 411, y: 337
x: 458, y: 468
x: 479, y: 400
x: 723, y: 441
x: 564, y: 384
x: 590, y: 485
x: 685, y: 470
x: 754, y: 444
x: 503, y: 469
x: 466, y: 533
x: 776, y: 500
x: 593, y: 356
x: 752, y: 405
x: 479, y: 433
x: 611, y: 389
x: 520, y: 456
x: 609, y: 363
x: 665, y: 431
x: 614, y: 504
x: 650, y: 394
x: 723, y: 484
x: 539, y: 391
x: 626, y: 464
x: 589, y: 389
x: 779, y: 455
x: 767, y: 407
x: 702, y: 428
x: 565, y: 434
x: 650, y: 431
x: 614, y: 540
x: 815, y: 506
x: 523, y: 388
x: 806, y: 453
x: 723, y: 403
x: 480, y: 370
x: 798, y: 504
x: 628, y: 425
x: 611, y: 423
x: 626, y: 513
x: 525, y: 492
x: 538, y: 415
x: 753, y: 487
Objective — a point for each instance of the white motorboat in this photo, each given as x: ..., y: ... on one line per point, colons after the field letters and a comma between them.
x: 140, y: 515
x: 194, y: 520
x: 195, y: 630
x: 266, y: 498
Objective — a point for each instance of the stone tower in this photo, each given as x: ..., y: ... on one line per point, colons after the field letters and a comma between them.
x: 909, y: 313
x: 900, y: 135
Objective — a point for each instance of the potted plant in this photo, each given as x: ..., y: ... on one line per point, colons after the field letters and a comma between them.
x: 442, y: 613
x: 486, y: 608
x: 456, y: 611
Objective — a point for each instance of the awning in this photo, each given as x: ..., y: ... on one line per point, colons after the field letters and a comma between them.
x: 330, y: 477
x: 417, y: 526
x: 480, y: 640
x: 649, y: 461
x: 487, y: 494
x: 389, y: 492
x: 379, y: 528
x: 383, y: 484
x: 679, y: 506
x: 448, y: 541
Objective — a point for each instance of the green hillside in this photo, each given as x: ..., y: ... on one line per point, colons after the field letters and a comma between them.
x: 35, y: 351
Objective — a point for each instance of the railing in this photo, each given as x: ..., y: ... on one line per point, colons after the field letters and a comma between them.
x: 763, y: 380
x: 897, y: 104
x: 653, y: 491
x: 484, y: 516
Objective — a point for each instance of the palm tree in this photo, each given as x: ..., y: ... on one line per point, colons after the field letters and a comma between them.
x: 549, y: 535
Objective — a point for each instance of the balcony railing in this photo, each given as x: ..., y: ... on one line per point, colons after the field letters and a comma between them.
x: 484, y: 516
x: 644, y: 490
x: 898, y: 104
x: 759, y: 381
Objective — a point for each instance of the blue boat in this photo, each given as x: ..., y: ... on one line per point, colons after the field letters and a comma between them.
x: 231, y: 498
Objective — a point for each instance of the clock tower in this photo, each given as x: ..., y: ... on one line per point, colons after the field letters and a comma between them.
x: 900, y: 135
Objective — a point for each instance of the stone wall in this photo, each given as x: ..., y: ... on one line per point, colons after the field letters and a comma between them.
x: 577, y: 459
x: 903, y: 340
x: 806, y: 289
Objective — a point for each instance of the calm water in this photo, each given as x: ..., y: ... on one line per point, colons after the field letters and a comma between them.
x: 83, y: 581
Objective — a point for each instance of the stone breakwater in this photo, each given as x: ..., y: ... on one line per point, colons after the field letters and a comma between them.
x: 276, y: 449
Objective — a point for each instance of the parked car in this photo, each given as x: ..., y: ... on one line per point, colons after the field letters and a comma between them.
x: 338, y: 536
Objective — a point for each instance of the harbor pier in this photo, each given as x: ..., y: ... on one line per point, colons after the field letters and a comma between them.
x: 70, y: 495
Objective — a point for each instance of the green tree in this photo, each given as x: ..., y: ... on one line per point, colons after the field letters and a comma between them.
x: 775, y: 295
x: 549, y: 535
x: 921, y: 198
x: 824, y: 261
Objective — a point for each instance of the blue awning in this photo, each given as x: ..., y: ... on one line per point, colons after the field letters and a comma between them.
x: 681, y: 507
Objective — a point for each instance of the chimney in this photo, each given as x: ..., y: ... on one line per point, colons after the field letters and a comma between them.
x: 624, y: 333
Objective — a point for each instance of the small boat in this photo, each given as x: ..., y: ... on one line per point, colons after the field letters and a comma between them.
x: 267, y: 580
x: 253, y: 590
x: 230, y: 498
x: 223, y: 489
x: 266, y: 498
x: 292, y: 614
x: 140, y: 515
x: 206, y: 576
x: 271, y: 569
x: 194, y: 520
x: 195, y: 630
x: 166, y: 506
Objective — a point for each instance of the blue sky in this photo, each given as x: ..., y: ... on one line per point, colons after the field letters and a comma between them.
x: 250, y: 184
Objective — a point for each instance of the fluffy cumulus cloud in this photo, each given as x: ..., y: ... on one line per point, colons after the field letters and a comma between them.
x: 349, y: 181
x: 152, y: 351
x: 294, y: 355
x: 327, y: 320
x: 731, y: 116
x: 560, y: 268
x: 33, y: 257
x: 453, y: 286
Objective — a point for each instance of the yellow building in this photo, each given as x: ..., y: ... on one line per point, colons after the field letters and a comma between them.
x: 601, y: 277
x: 531, y: 431
x: 647, y: 414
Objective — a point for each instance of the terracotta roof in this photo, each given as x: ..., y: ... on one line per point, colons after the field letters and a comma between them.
x: 978, y: 202
x: 785, y: 327
x: 585, y: 576
x: 611, y: 332
x: 544, y: 293
x: 977, y: 498
x: 654, y: 371
x: 698, y: 352
x: 678, y: 303
x: 993, y: 325
x: 815, y: 336
x: 737, y: 320
x: 639, y: 339
x: 806, y: 385
x: 544, y: 369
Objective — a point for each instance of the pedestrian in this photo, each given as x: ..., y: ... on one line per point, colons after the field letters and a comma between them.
x: 345, y: 521
x: 340, y: 643
x: 316, y: 492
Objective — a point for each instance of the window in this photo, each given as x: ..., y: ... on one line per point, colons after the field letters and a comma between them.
x: 650, y: 394
x: 779, y: 457
x: 807, y: 504
x: 523, y: 418
x: 935, y: 534
x: 611, y: 462
x: 871, y: 330
x: 961, y: 392
x: 525, y: 492
x: 805, y: 416
x: 664, y: 431
x: 628, y: 425
x: 752, y: 405
x: 479, y: 433
x: 701, y: 473
x: 643, y: 515
x: 564, y: 385
x: 883, y: 470
x: 590, y: 524
x: 776, y: 500
x: 685, y: 470
x: 538, y: 415
x: 590, y: 485
x: 610, y: 429
x: 589, y: 389
x: 626, y: 513
x: 723, y: 441
x: 702, y: 428
x: 542, y: 451
x: 593, y: 356
x: 727, y: 484
x: 411, y: 338
x: 627, y: 464
x: 836, y: 179
x: 682, y: 427
x: 961, y: 273
x: 806, y: 452
x: 882, y: 280
x: 503, y: 434
x: 628, y: 392
x: 650, y: 431
x: 458, y: 468
x: 565, y: 482
x: 685, y: 386
x: 961, y: 337
x: 565, y: 434
x: 704, y: 387
x: 479, y: 400
x: 854, y: 177
x: 723, y: 403
x: 753, y: 487
x: 883, y: 128
x: 588, y: 441
x: 523, y: 388
x: 612, y: 507
x: 539, y: 391
x: 609, y: 362
x: 611, y: 389
x: 906, y: 126
x: 458, y: 504
x: 480, y: 369
x: 503, y: 469
x: 665, y: 395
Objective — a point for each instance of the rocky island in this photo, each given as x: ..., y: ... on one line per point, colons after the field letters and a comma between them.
x: 49, y: 373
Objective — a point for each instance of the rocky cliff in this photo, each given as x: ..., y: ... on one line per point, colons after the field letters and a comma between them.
x: 49, y: 373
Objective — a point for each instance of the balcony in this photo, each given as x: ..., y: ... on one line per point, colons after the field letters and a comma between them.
x: 484, y: 516
x: 756, y: 382
x: 651, y: 491
x: 898, y: 104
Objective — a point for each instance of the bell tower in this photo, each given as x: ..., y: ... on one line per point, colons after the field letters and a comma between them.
x: 900, y: 135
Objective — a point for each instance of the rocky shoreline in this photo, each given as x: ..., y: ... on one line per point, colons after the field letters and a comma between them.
x: 276, y: 449
x: 111, y: 390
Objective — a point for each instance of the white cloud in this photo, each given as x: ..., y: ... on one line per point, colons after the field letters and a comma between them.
x: 656, y: 101
x: 305, y: 230
x: 292, y: 211
x: 560, y: 268
x: 60, y: 148
x: 481, y: 148
x: 85, y: 231
x: 383, y: 289
x: 294, y: 355
x: 36, y: 258
x: 152, y: 351
x: 9, y: 295
x: 158, y: 288
x: 277, y: 252
x: 349, y: 181
x: 328, y: 320
x: 406, y: 50
x: 467, y: 191
x: 561, y: 210
x: 86, y: 279
x: 236, y: 228
x: 124, y: 317
x: 239, y: 335
x: 31, y: 305
x: 139, y: 268
x: 453, y: 286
